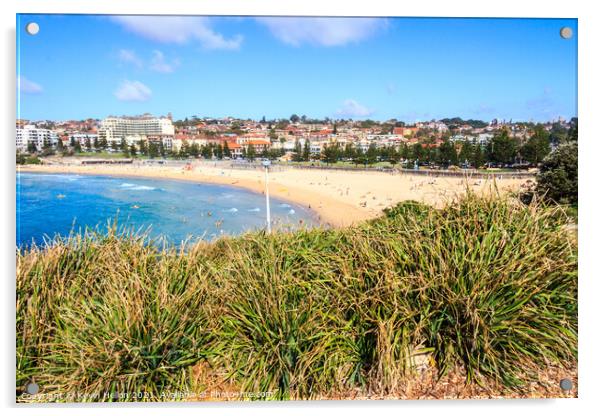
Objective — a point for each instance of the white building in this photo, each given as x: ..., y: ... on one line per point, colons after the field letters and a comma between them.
x: 484, y: 138
x: 39, y: 137
x: 82, y: 138
x: 316, y: 147
x: 114, y: 129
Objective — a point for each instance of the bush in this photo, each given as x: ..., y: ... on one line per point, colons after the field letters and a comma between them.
x: 25, y: 159
x: 412, y: 208
x: 557, y: 180
x: 488, y: 284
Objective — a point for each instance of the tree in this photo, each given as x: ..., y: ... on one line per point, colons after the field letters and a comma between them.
x: 133, y: 150
x: 418, y: 152
x: 294, y: 118
x: 371, y: 154
x: 124, y: 148
x: 95, y: 143
x: 447, y: 154
x: 404, y: 151
x: 502, y: 148
x: 142, y: 146
x: 219, y: 151
x: 393, y: 155
x: 195, y: 150
x: 88, y: 144
x: 477, y: 157
x: 21, y: 158
x: 359, y: 157
x: 227, y: 152
x: 573, y: 129
x: 537, y: 147
x: 47, y: 149
x: 330, y: 154
x: 349, y: 151
x: 103, y: 144
x: 184, y: 150
x: 466, y: 152
x: 251, y: 153
x: 153, y: 150
x: 298, y: 153
x: 557, y: 178
x: 31, y: 148
x: 306, y: 151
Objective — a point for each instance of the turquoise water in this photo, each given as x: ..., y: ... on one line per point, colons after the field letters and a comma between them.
x: 50, y: 204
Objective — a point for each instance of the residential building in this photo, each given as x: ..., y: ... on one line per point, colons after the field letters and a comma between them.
x: 39, y: 137
x: 114, y: 129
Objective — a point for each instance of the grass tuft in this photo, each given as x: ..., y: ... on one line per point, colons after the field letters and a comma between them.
x: 486, y: 283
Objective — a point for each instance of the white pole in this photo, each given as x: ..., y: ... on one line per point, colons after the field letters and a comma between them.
x: 267, y: 201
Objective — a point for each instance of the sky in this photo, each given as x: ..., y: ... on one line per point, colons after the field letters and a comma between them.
x: 410, y: 69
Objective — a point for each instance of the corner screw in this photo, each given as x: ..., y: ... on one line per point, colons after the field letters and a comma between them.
x: 32, y: 388
x: 566, y: 385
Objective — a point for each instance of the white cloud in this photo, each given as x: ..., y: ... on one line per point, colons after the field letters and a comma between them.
x: 322, y: 31
x: 133, y: 91
x: 159, y: 64
x: 28, y: 87
x: 178, y: 29
x: 129, y: 57
x: 352, y: 108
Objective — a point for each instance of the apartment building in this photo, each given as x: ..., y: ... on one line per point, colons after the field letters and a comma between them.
x: 39, y: 137
x: 258, y: 144
x: 83, y: 138
x: 135, y: 128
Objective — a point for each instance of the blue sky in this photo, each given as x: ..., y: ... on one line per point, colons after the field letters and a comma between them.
x: 406, y: 68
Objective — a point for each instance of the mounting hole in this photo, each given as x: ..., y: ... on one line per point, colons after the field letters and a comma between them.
x: 566, y: 32
x: 32, y: 388
x: 32, y: 28
x: 566, y: 384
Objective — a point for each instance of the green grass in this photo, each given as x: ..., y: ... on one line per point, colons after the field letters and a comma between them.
x: 487, y: 284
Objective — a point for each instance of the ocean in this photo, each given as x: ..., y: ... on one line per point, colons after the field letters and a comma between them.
x: 51, y: 204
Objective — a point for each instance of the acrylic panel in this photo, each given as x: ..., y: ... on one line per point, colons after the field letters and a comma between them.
x: 216, y: 208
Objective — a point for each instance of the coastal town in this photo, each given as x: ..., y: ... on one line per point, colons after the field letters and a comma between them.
x: 436, y: 144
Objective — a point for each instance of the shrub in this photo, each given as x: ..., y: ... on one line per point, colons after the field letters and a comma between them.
x: 33, y: 160
x: 557, y: 180
x: 488, y: 284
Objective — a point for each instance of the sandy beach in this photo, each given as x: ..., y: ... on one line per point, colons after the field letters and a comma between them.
x: 339, y: 198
